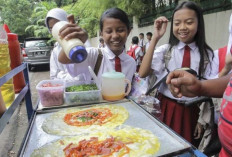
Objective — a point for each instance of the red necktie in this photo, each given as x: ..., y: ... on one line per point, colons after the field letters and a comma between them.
x: 118, y: 64
x: 186, y: 59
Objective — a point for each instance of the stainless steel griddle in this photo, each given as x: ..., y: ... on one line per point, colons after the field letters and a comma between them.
x: 170, y: 143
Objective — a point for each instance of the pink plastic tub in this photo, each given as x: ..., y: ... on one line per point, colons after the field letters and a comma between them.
x: 51, y: 92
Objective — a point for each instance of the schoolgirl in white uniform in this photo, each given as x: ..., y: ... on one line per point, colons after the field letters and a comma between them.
x: 58, y: 70
x: 115, y: 28
x: 188, y: 49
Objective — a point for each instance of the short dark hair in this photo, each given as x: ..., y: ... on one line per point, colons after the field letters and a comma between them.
x: 135, y: 40
x: 149, y: 33
x: 101, y: 39
x: 141, y: 34
x: 117, y: 14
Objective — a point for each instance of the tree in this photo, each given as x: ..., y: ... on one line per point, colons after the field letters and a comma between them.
x: 88, y: 12
x: 14, y: 13
x: 37, y: 26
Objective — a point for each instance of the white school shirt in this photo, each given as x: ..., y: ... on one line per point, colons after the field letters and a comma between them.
x: 128, y: 64
x: 141, y: 42
x: 138, y: 53
x: 57, y: 70
x: 147, y: 45
x: 175, y: 62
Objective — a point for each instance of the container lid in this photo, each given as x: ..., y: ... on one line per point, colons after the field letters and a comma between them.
x: 6, y: 28
x: 113, y: 74
x: 78, y: 54
x: 12, y: 36
x: 52, y: 82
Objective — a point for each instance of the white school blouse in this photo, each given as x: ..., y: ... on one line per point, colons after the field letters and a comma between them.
x: 175, y: 62
x: 138, y: 53
x: 128, y: 64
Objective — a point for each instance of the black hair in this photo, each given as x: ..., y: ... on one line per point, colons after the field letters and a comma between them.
x: 135, y: 40
x: 101, y: 39
x: 199, y: 37
x: 149, y: 33
x: 141, y: 34
x: 117, y: 14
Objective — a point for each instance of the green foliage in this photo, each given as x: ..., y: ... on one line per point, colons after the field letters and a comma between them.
x: 87, y: 13
x: 84, y: 87
x: 37, y: 19
x: 14, y: 13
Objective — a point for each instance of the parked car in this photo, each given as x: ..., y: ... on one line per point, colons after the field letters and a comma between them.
x: 37, y: 51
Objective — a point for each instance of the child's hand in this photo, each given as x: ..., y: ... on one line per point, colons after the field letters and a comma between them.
x: 160, y: 26
x: 72, y: 30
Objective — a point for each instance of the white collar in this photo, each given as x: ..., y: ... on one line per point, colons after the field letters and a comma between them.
x: 192, y: 45
x: 122, y: 56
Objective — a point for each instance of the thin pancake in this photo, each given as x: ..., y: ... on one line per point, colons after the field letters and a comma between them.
x: 68, y: 122
x: 135, y: 142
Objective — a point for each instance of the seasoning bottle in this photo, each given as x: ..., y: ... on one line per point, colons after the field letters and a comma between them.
x: 73, y: 48
x: 7, y: 88
x: 15, y: 57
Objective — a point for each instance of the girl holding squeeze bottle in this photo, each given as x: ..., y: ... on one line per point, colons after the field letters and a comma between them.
x: 115, y: 28
x: 188, y: 49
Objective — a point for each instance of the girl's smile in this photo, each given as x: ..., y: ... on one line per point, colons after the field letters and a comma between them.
x: 185, y: 25
x: 115, y: 34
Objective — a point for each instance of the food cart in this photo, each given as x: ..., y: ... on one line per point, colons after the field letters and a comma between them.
x: 171, y: 144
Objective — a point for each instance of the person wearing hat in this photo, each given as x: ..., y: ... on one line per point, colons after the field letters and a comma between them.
x: 57, y: 69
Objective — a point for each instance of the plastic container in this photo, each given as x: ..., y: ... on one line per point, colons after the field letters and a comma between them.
x: 73, y: 48
x: 51, y: 95
x: 7, y: 89
x: 15, y: 57
x: 81, y: 97
x: 114, y: 85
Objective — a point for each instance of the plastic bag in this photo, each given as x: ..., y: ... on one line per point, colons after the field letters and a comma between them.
x: 150, y: 104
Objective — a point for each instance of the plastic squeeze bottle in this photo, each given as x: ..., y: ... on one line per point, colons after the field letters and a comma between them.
x: 15, y: 57
x: 73, y: 48
x: 7, y: 88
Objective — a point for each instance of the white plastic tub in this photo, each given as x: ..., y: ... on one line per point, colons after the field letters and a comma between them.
x: 51, y: 96
x: 81, y: 97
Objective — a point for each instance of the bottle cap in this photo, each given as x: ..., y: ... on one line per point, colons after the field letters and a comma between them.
x: 12, y: 36
x: 7, y: 29
x: 78, y: 54
x: 113, y: 74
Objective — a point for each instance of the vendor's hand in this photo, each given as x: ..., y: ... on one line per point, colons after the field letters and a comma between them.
x: 198, y: 131
x: 182, y: 83
x: 160, y: 26
x: 72, y: 30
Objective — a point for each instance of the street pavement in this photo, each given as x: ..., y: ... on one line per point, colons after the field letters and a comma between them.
x: 14, y: 132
